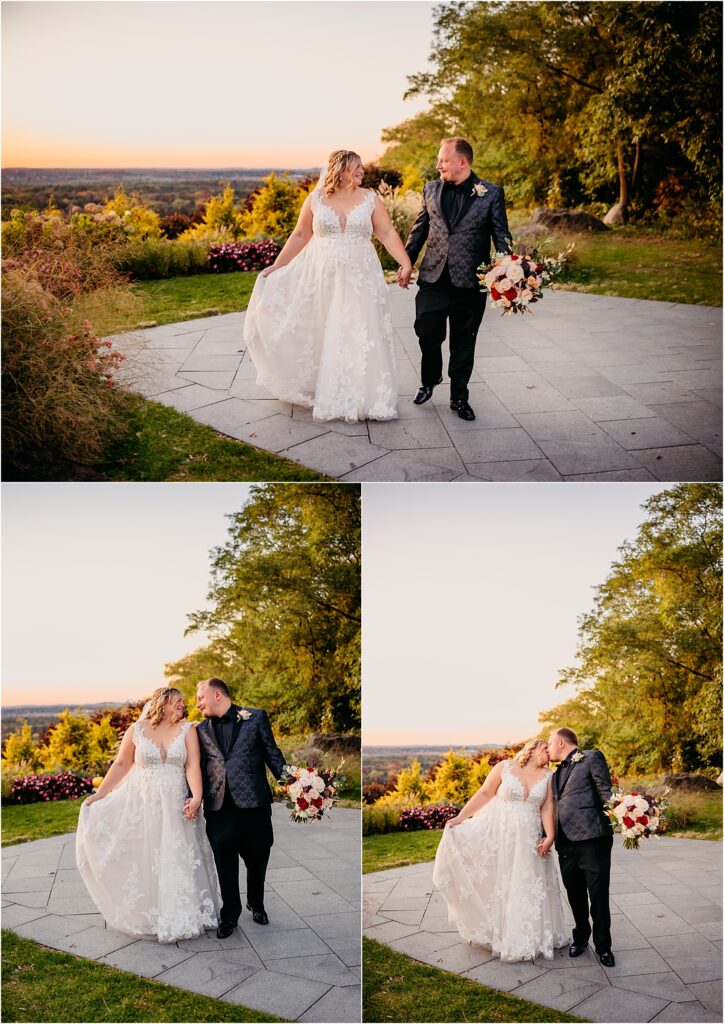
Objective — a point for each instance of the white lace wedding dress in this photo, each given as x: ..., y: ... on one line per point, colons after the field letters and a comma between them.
x: 148, y: 869
x: 319, y: 330
x: 499, y: 891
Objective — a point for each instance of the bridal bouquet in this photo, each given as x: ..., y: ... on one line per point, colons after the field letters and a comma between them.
x: 516, y: 281
x: 636, y: 816
x: 310, y: 791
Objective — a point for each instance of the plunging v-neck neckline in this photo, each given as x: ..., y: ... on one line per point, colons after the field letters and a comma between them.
x: 526, y: 791
x: 162, y: 750
x: 343, y: 225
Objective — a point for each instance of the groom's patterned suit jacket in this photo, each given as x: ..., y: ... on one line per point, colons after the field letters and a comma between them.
x: 580, y: 790
x: 465, y: 244
x: 252, y: 747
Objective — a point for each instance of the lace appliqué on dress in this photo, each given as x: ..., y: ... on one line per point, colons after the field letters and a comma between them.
x: 149, y: 870
x: 319, y: 331
x: 499, y: 892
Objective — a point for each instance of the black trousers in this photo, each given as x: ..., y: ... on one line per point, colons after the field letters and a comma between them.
x: 464, y: 308
x: 586, y: 872
x: 236, y: 832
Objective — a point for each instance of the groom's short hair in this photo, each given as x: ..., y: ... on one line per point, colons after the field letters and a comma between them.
x: 568, y: 735
x: 462, y: 147
x: 219, y: 684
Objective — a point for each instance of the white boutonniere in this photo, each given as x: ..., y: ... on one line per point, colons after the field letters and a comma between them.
x: 578, y: 756
x: 479, y: 190
x: 243, y: 715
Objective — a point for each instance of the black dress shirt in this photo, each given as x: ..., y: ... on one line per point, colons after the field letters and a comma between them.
x: 223, y: 726
x: 453, y: 197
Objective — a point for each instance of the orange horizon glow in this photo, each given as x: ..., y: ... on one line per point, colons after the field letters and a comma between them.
x: 13, y: 697
x: 38, y: 155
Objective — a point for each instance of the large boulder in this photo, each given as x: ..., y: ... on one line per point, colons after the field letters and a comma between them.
x: 616, y: 216
x: 567, y: 221
x: 689, y: 781
x: 346, y: 743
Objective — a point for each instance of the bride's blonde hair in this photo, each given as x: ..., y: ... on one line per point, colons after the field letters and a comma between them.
x: 523, y: 756
x: 158, y: 701
x: 338, y: 163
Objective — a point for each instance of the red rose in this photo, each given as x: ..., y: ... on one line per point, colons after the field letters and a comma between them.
x: 510, y: 293
x: 495, y: 294
x: 302, y: 803
x: 628, y: 822
x: 643, y: 820
x: 317, y: 803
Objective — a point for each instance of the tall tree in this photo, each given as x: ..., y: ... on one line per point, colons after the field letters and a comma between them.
x: 284, y: 616
x: 649, y: 656
x: 568, y: 101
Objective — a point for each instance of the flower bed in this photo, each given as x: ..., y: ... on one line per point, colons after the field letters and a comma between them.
x: 30, y: 789
x: 243, y: 255
x: 432, y: 816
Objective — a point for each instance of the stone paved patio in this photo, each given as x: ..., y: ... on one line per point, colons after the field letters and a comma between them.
x: 589, y: 388
x: 305, y: 965
x: 666, y: 903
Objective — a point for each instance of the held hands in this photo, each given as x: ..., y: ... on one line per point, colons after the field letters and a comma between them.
x: 191, y: 809
x: 403, y: 275
x: 544, y: 846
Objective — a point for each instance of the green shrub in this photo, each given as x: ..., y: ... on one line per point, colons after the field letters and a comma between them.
x: 153, y: 259
x: 377, y: 820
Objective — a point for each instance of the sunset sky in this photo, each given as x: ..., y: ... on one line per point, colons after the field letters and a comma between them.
x: 205, y: 84
x: 98, y: 580
x: 471, y: 596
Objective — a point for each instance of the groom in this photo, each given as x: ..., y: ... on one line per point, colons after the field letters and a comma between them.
x: 236, y: 743
x: 460, y: 213
x: 584, y: 839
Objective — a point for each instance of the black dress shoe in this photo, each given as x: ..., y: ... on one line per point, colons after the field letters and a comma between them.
x: 575, y: 950
x: 258, y: 916
x: 463, y: 410
x: 424, y: 393
x: 224, y: 930
x: 608, y: 959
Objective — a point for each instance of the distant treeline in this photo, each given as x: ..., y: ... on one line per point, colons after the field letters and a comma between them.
x: 163, y: 190
x: 383, y: 764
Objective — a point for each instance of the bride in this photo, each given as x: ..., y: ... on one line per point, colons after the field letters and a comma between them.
x: 497, y: 869
x: 318, y: 327
x: 148, y: 866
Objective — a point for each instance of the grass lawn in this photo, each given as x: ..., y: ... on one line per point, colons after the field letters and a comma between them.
x: 167, y: 301
x: 637, y: 263
x: 397, y: 988
x: 42, y: 984
x: 23, y: 822
x: 398, y: 849
x: 163, y: 444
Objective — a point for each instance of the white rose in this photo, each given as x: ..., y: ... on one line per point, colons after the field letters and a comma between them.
x: 525, y: 296
x: 493, y: 275
x: 503, y: 284
x: 515, y: 272
x: 317, y: 784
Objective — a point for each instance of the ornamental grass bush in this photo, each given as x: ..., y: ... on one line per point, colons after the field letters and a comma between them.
x: 378, y: 820
x: 155, y: 258
x: 32, y: 789
x: 59, y: 400
x: 403, y: 208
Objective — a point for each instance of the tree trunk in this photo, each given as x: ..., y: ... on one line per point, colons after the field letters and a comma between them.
x: 635, y: 171
x: 622, y: 183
